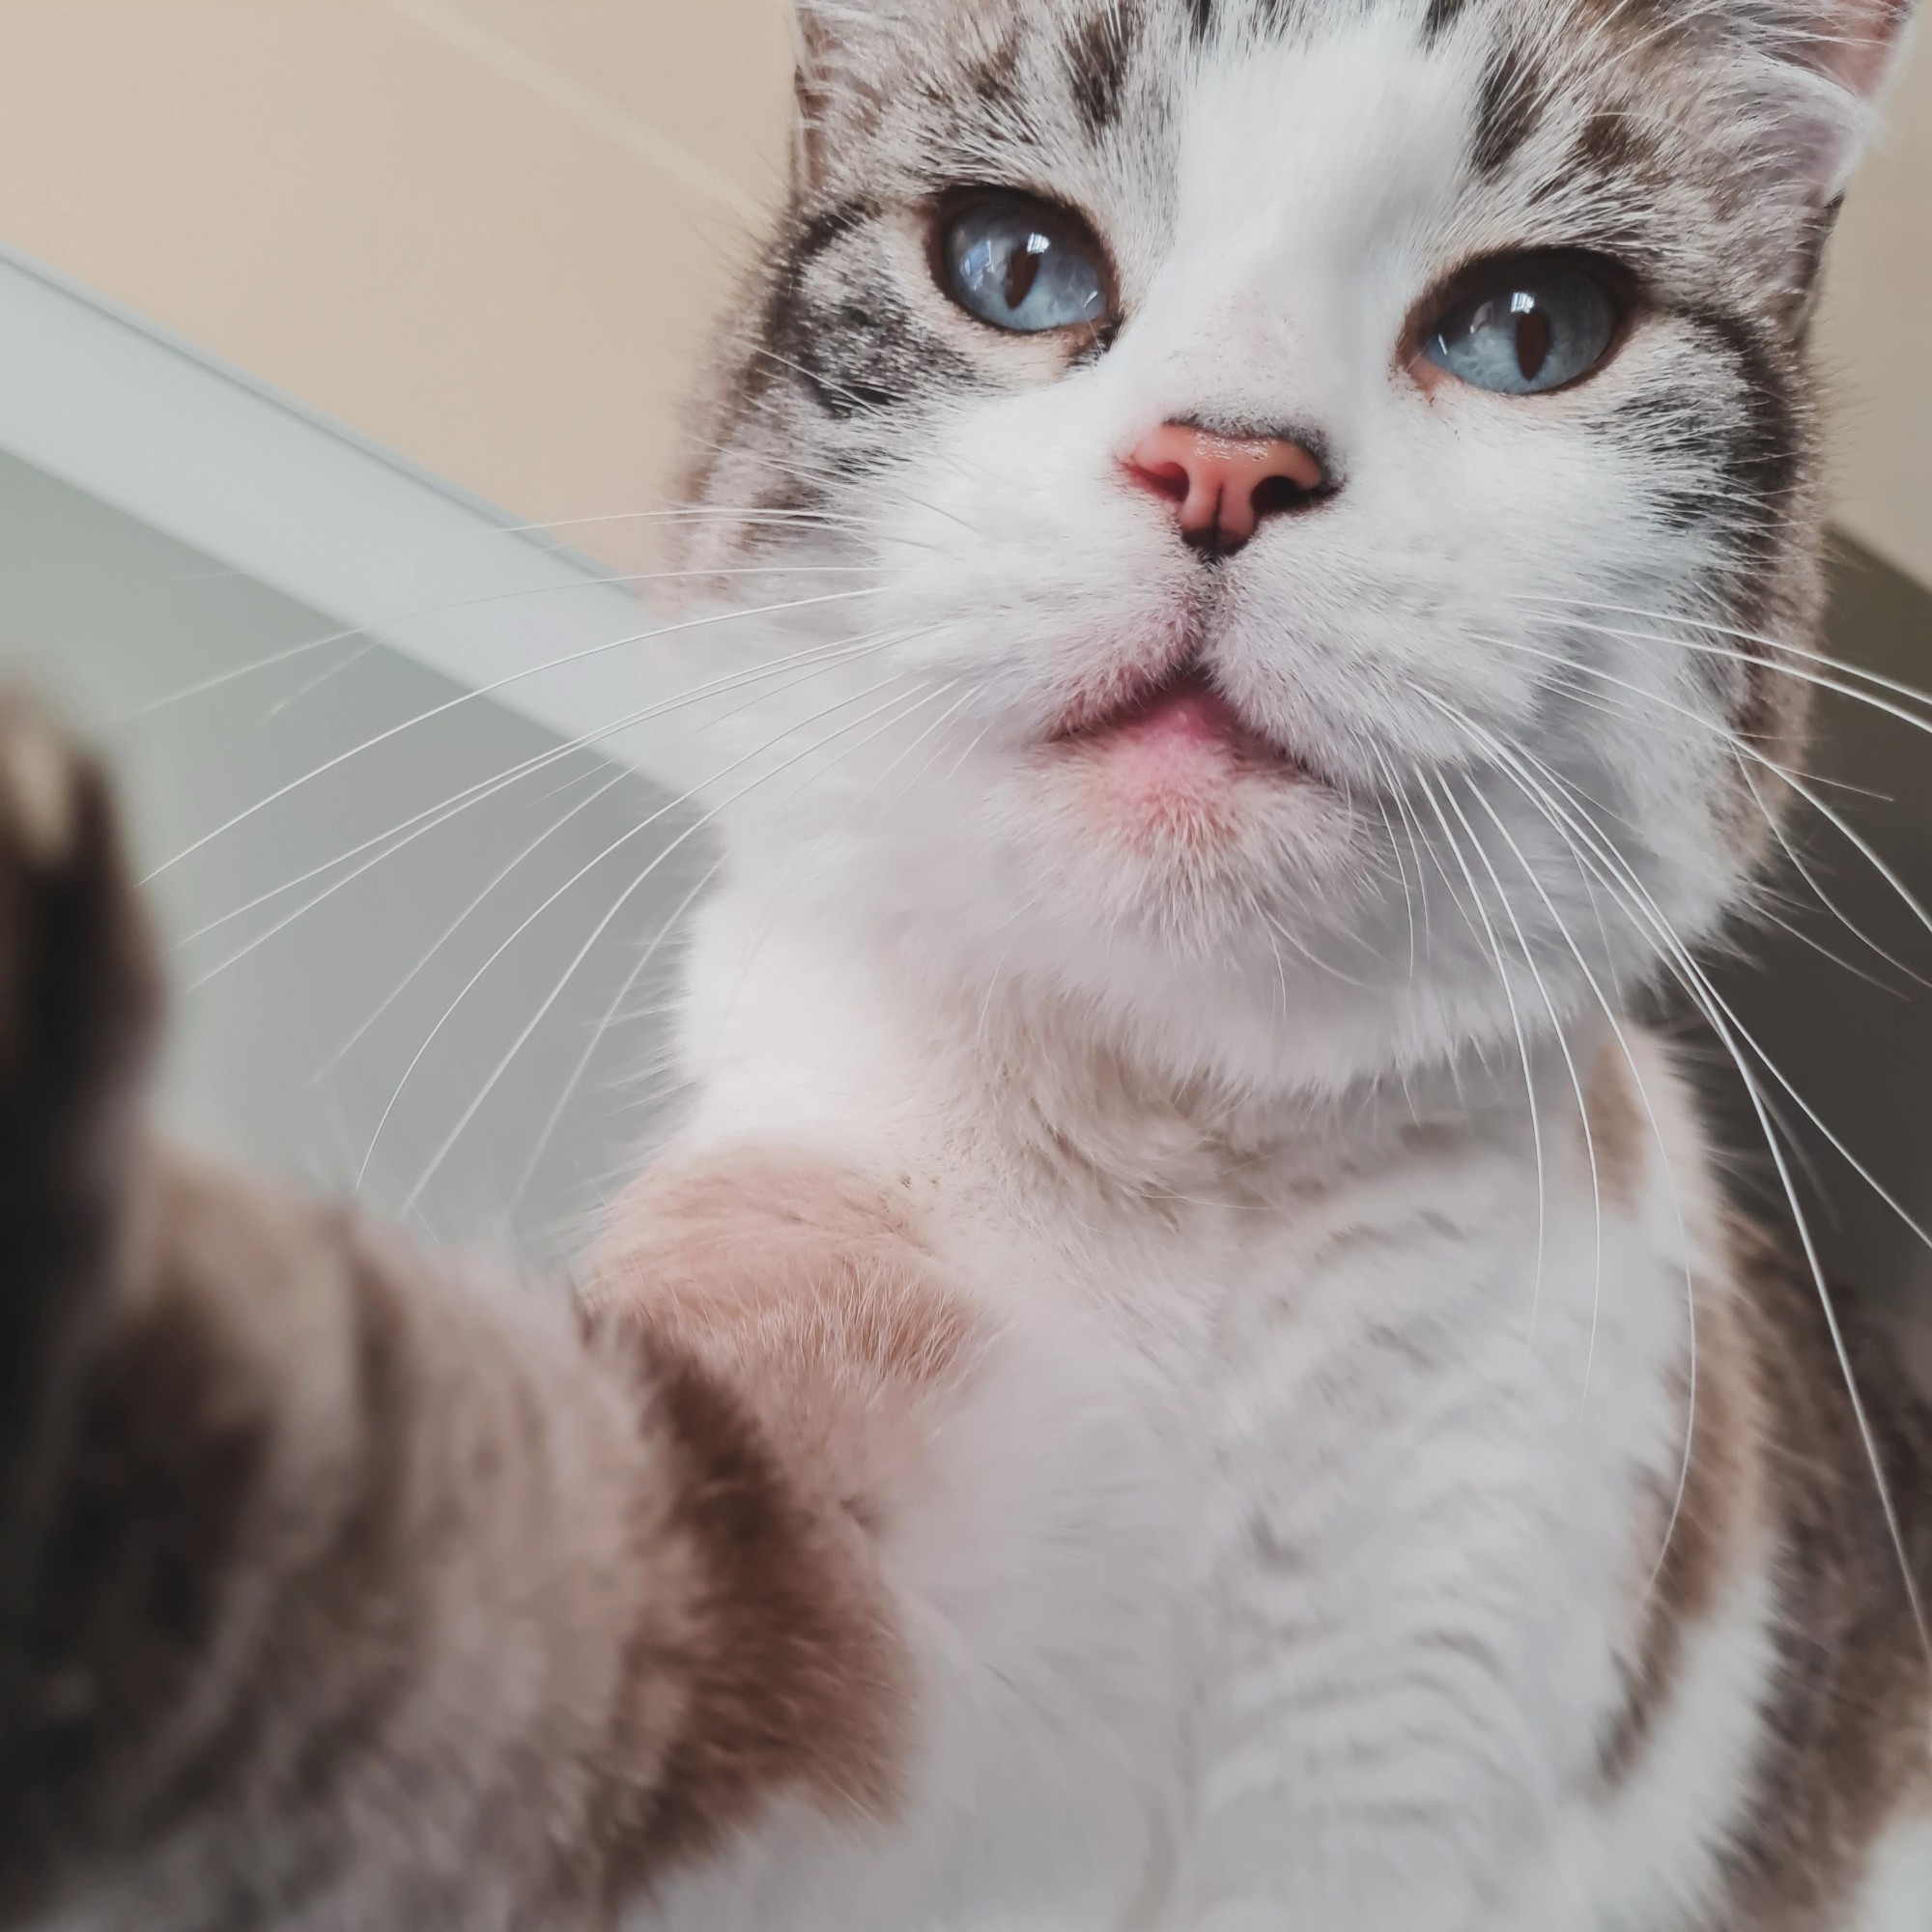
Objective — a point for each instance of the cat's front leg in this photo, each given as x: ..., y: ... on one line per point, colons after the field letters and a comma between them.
x: 984, y: 1722
x: 336, y: 1589
x: 340, y: 1590
x: 804, y: 1331
x: 343, y: 1591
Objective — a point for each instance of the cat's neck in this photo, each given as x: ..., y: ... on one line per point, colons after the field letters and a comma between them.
x: 852, y: 1041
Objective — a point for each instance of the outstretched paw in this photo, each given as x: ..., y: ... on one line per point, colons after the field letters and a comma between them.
x: 77, y: 986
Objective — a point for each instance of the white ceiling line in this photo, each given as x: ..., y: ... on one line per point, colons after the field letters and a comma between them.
x: 578, y: 104
x: 108, y: 403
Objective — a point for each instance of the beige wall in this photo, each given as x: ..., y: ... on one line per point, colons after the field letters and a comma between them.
x: 489, y: 237
x: 1874, y: 333
x: 489, y: 232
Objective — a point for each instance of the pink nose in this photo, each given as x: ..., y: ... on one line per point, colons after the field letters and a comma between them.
x: 1221, y: 487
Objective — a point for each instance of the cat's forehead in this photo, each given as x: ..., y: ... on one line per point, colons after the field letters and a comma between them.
x: 1051, y: 69
x: 1189, y: 109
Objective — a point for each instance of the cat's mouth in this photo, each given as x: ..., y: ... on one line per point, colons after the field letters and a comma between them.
x: 1184, y: 717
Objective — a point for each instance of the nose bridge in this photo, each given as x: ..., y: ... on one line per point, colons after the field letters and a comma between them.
x: 1222, y: 343
x: 1236, y: 341
x: 1231, y: 377
x: 1264, y: 305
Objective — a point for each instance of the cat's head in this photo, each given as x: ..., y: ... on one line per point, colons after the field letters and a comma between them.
x: 1301, y: 515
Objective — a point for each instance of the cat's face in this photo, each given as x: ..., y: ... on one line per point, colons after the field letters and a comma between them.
x: 1327, y: 489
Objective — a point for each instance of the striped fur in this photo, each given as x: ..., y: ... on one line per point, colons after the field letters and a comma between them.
x: 337, y: 1589
x: 1189, y: 1370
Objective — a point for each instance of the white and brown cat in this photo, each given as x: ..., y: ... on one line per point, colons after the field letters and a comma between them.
x: 1188, y: 1369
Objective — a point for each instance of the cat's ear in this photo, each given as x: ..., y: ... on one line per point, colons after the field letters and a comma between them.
x: 1798, y: 90
x: 1856, y: 41
x: 1836, y: 56
x: 842, y: 51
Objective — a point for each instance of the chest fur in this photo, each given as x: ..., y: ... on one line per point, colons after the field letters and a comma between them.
x: 1408, y: 1414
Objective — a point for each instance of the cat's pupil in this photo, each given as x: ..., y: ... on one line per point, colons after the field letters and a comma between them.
x: 1023, y: 270
x: 1532, y: 339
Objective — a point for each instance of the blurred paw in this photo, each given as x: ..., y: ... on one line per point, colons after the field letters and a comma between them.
x: 77, y: 969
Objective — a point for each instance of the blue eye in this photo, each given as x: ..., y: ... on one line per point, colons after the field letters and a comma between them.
x: 1530, y: 326
x: 1024, y: 266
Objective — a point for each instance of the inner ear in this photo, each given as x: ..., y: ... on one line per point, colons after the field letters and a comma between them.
x: 1853, y: 41
x: 1844, y: 50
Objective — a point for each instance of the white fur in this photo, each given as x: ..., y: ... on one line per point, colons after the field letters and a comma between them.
x: 1897, y: 1894
x: 1282, y: 1570
x: 1137, y: 1715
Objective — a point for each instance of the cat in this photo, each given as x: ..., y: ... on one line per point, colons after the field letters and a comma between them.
x: 1185, y: 1368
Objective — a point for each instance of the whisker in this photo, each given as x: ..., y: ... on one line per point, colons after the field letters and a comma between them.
x: 537, y: 1019
x: 1794, y: 932
x: 372, y: 633
x: 421, y: 824
x: 582, y: 871
x: 1397, y: 794
x: 1799, y: 784
x: 462, y: 919
x: 489, y: 690
x: 770, y: 917
x: 1521, y: 1047
x: 603, y: 1027
x: 1576, y: 1087
x: 1401, y: 875
x: 1622, y: 1039
x: 1823, y: 897
x: 347, y: 661
x: 232, y: 675
x: 1809, y: 653
x: 1636, y: 899
x: 1816, y: 679
x: 684, y: 512
x: 826, y: 474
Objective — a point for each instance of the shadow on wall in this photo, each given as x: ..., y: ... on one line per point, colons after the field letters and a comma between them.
x: 417, y: 969
x: 1850, y: 1026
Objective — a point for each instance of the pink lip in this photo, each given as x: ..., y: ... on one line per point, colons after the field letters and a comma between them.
x: 1183, y: 717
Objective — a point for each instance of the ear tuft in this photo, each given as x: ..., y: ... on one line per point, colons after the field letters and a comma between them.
x: 1856, y: 41
x: 836, y: 50
x: 1843, y: 51
x: 1790, y: 94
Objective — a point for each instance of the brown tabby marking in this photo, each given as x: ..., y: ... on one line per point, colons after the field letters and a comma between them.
x: 1851, y: 1723
x: 1706, y: 1530
x: 1098, y: 53
x: 815, y: 1349
x: 1508, y: 109
x: 1619, y: 1130
x: 794, y: 1675
x: 1776, y: 1455
x: 1614, y: 142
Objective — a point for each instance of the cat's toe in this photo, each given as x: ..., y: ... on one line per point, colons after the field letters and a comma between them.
x: 40, y: 788
x: 77, y: 971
